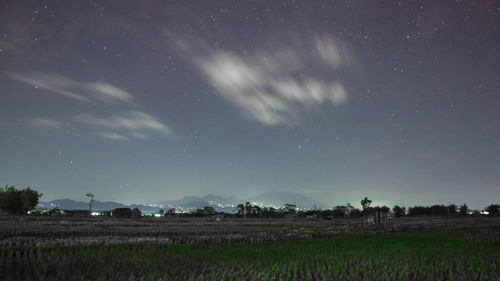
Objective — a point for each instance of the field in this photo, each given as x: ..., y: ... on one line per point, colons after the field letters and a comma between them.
x: 196, y: 249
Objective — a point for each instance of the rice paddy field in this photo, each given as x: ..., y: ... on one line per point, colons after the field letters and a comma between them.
x: 435, y: 254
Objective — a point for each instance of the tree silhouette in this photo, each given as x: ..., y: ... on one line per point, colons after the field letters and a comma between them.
x: 91, y: 201
x: 463, y: 209
x: 399, y: 211
x: 208, y: 211
x: 248, y: 209
x: 349, y: 209
x: 14, y: 201
x: 366, y: 203
x: 240, y: 210
x: 339, y: 211
x: 493, y: 209
x: 452, y: 209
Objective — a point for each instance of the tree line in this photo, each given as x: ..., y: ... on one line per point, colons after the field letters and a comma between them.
x: 20, y: 201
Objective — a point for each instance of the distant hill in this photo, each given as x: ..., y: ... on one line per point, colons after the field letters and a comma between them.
x: 189, y: 203
x: 68, y: 204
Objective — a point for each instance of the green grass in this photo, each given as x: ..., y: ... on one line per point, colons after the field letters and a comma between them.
x: 429, y: 255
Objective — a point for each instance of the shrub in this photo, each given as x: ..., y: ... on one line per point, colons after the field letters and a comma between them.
x: 122, y: 213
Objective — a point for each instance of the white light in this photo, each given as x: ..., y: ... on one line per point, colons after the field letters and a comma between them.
x: 157, y: 215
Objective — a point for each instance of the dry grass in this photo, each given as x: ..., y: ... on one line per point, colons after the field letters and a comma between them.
x: 27, y: 231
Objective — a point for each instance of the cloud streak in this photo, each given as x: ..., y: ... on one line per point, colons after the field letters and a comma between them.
x: 274, y: 86
x: 136, y: 124
x: 113, y: 136
x: 131, y: 123
x: 54, y: 83
x: 77, y: 90
x: 47, y: 123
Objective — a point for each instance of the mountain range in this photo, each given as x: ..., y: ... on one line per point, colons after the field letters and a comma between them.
x: 188, y: 203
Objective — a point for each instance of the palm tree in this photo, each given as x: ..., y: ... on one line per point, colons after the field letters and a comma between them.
x: 366, y: 203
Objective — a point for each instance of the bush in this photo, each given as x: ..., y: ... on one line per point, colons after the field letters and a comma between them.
x: 122, y: 213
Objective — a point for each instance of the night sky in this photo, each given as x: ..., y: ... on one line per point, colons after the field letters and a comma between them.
x: 141, y: 101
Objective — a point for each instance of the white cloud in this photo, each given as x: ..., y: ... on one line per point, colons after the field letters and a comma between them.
x: 70, y: 88
x: 132, y: 123
x: 274, y: 86
x: 329, y: 51
x: 47, y: 123
x: 136, y: 123
x: 109, y: 93
x: 113, y: 136
x: 55, y: 83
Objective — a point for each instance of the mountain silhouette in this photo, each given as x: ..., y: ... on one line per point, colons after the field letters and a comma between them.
x: 189, y: 203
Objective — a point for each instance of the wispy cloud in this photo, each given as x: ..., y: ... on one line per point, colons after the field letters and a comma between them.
x: 55, y: 83
x: 274, y: 86
x: 78, y: 90
x: 113, y: 136
x: 135, y: 123
x: 109, y: 93
x: 130, y: 123
x: 46, y: 123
